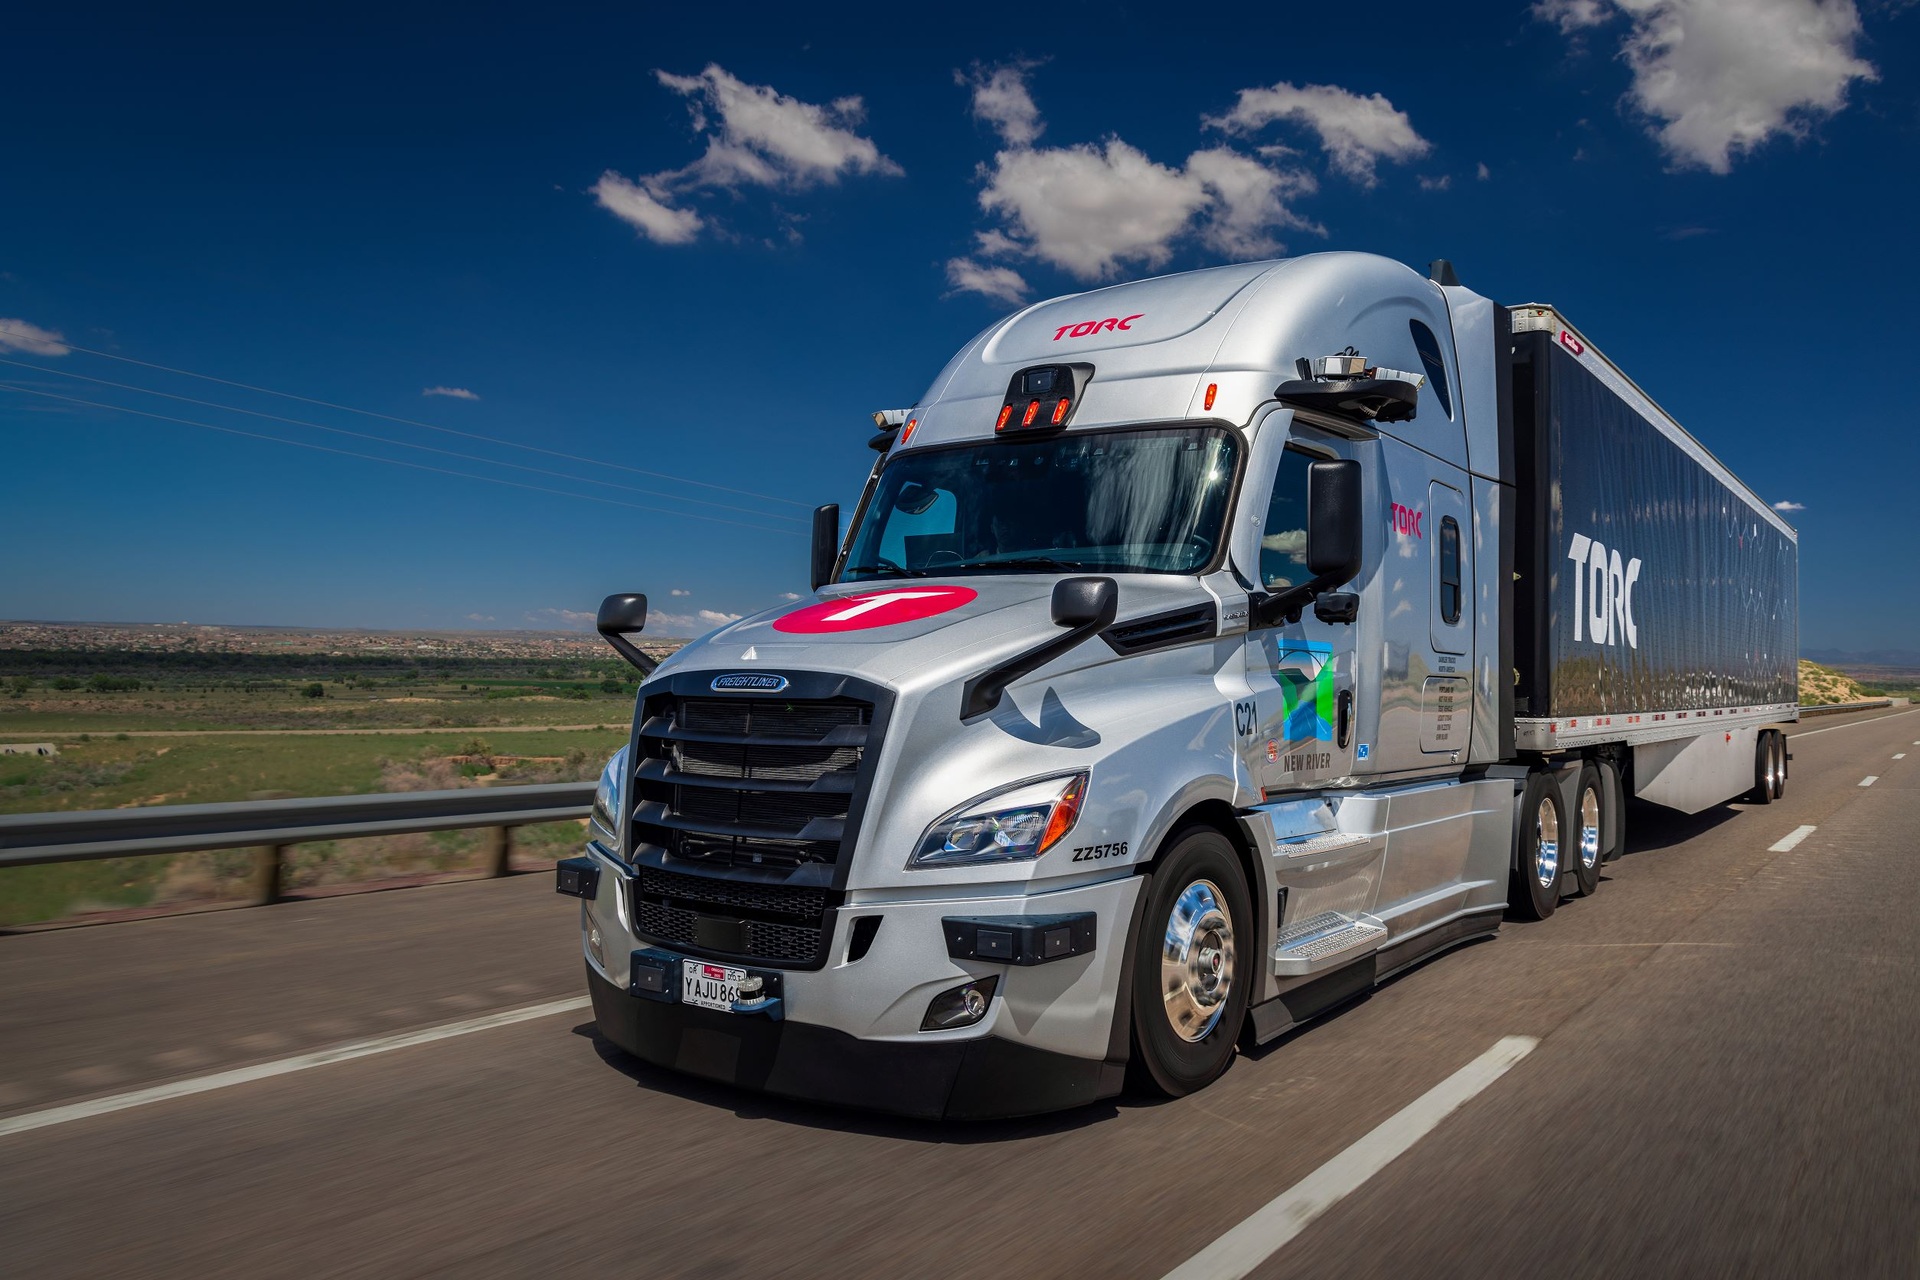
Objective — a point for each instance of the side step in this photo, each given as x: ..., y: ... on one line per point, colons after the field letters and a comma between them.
x: 1323, y: 941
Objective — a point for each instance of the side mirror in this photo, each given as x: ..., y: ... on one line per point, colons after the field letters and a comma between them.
x: 1085, y: 602
x: 621, y: 616
x: 826, y: 543
x: 1334, y: 524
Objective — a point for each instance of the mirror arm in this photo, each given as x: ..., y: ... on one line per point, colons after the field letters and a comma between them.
x: 982, y: 693
x: 1288, y: 605
x: 630, y: 651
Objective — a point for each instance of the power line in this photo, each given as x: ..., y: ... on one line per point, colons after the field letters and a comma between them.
x: 403, y: 444
x: 411, y: 422
x: 396, y: 462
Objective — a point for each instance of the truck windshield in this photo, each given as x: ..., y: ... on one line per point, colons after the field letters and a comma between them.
x: 1130, y: 501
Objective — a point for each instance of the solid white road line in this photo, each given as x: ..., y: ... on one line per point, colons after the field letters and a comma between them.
x: 1832, y: 728
x: 1870, y: 779
x: 283, y: 1066
x: 1792, y: 838
x: 1238, y: 1252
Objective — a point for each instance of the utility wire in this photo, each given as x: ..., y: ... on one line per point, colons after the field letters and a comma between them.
x: 396, y: 462
x: 411, y: 422
x: 404, y: 444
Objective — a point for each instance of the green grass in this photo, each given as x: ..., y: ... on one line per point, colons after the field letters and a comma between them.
x: 105, y: 772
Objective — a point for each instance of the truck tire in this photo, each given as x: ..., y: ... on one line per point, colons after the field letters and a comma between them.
x: 1193, y: 965
x: 1539, y: 850
x: 1588, y: 836
x: 1766, y: 770
x: 1780, y: 763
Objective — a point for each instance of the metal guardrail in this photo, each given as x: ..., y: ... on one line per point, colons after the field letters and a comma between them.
x: 29, y: 839
x: 1835, y: 708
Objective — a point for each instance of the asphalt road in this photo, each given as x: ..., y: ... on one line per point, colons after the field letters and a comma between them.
x: 1727, y: 1082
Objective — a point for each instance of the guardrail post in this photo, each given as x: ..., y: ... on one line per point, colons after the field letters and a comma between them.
x: 268, y: 865
x: 500, y: 851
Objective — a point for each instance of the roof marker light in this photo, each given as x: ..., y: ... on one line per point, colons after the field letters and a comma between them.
x: 1033, y: 407
x: 1060, y: 411
x: 907, y: 434
x: 1213, y: 389
x: 1006, y: 411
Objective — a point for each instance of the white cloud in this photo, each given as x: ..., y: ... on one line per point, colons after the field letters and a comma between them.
x: 1002, y: 284
x: 566, y: 617
x: 658, y: 222
x: 1440, y: 183
x: 1482, y: 172
x: 1091, y: 209
x: 456, y: 393
x: 789, y: 595
x: 1573, y: 15
x: 1355, y: 131
x: 1789, y: 506
x: 755, y: 136
x: 1718, y: 78
x: 31, y: 339
x: 679, y: 591
x: 480, y: 617
x: 716, y: 618
x: 1002, y: 100
x: 1249, y: 199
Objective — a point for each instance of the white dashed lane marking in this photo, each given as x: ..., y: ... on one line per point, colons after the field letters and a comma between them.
x: 1870, y: 779
x: 1899, y: 755
x: 283, y: 1066
x: 1792, y: 838
x: 1246, y: 1246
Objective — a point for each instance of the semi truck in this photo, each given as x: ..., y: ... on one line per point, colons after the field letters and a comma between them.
x: 1202, y: 652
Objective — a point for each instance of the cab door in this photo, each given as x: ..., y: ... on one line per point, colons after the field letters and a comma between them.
x: 1298, y: 732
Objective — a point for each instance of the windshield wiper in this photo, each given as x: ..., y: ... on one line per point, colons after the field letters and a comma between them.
x: 883, y: 565
x: 1020, y: 562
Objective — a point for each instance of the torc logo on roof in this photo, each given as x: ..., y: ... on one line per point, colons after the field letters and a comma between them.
x: 1087, y: 327
x: 873, y: 609
x: 1603, y: 593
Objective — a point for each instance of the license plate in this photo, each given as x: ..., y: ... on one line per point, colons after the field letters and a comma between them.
x: 710, y: 986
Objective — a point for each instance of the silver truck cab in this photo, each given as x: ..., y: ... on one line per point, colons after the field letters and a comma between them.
x: 1142, y: 711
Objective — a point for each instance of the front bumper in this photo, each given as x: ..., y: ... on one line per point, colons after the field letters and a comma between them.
x: 850, y: 1032
x: 938, y: 1079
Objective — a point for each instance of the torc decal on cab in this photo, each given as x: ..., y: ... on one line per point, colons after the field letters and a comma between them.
x: 873, y: 609
x: 1086, y: 327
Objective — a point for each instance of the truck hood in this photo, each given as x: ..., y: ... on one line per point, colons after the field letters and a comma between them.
x: 913, y: 632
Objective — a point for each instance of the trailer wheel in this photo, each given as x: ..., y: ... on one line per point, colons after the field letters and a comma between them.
x: 1540, y: 850
x: 1779, y: 763
x: 1588, y: 836
x: 1193, y: 967
x: 1766, y: 770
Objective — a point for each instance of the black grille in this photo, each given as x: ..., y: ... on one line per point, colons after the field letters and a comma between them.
x: 778, y: 924
x: 699, y: 761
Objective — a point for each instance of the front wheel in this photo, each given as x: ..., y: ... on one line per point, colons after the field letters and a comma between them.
x: 1194, y: 962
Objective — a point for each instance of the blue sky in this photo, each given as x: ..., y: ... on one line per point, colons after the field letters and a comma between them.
x: 706, y: 243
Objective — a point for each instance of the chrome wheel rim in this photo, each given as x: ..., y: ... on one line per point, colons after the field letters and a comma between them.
x: 1589, y: 828
x: 1773, y: 770
x: 1196, y: 961
x: 1546, y: 843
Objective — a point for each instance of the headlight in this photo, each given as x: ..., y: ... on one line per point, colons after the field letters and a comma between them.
x: 605, y: 820
x: 1018, y: 823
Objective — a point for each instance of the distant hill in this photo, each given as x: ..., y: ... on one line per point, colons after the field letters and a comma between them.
x: 1823, y: 686
x: 1847, y: 660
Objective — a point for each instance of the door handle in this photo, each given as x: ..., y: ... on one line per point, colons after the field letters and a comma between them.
x: 1344, y: 718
